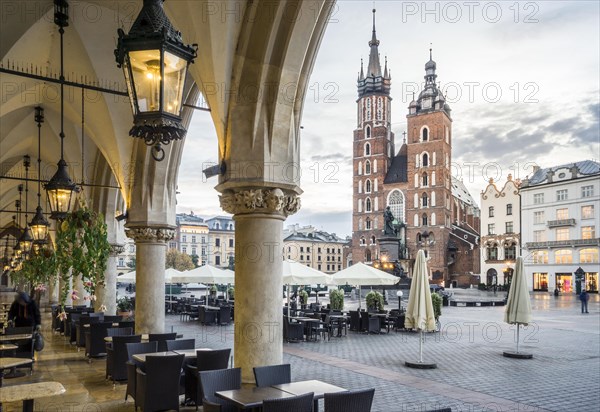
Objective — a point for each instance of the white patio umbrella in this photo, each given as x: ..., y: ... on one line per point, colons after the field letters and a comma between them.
x: 518, y: 306
x: 360, y: 274
x: 131, y: 276
x: 206, y: 274
x: 419, y: 312
x: 295, y: 273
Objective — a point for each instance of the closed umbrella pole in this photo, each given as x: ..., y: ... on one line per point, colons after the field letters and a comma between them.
x: 518, y: 307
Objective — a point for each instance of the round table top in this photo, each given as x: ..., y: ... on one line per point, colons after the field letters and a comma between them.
x: 15, y: 393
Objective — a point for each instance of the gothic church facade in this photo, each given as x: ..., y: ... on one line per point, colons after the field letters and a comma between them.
x: 440, y: 215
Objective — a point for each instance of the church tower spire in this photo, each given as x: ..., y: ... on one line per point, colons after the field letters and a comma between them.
x: 374, y: 81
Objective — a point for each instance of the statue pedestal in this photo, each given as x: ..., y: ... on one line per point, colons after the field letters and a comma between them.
x: 388, y: 246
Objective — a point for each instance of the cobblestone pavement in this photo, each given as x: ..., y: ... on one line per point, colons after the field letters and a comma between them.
x: 472, y: 374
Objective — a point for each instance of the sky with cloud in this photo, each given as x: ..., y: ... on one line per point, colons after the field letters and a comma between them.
x: 521, y: 79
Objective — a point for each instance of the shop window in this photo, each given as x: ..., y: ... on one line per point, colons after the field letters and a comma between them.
x: 540, y: 282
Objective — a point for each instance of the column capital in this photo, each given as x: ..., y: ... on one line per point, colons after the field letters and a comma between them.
x: 116, y: 249
x: 150, y: 234
x: 260, y: 200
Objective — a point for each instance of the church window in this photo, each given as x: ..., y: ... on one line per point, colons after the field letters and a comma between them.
x: 425, y: 134
x: 372, y: 240
x: 368, y: 207
x: 368, y: 224
x: 425, y: 160
x: 368, y: 132
x: 363, y: 242
x: 396, y: 204
x: 360, y: 223
x: 367, y: 186
x: 367, y: 167
x: 425, y: 180
x: 424, y: 219
x: 425, y: 200
x: 367, y: 149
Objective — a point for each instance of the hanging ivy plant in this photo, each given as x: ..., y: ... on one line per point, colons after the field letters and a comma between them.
x: 82, y: 249
x: 38, y: 270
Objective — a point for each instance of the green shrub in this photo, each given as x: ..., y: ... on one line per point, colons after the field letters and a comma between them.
x: 336, y: 299
x: 374, y: 300
x: 436, y: 300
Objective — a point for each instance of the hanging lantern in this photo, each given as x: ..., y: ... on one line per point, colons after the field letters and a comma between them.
x: 155, y: 62
x: 26, y: 240
x: 60, y: 191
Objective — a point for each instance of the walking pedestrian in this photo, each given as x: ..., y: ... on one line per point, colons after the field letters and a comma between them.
x: 584, y: 297
x: 24, y: 312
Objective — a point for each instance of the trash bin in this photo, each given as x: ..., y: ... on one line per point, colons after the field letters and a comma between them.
x: 445, y: 301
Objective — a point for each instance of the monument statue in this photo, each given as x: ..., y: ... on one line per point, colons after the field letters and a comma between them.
x: 388, y: 217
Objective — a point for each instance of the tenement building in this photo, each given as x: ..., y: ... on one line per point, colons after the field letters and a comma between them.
x: 500, y: 237
x: 560, y: 216
x: 440, y: 215
x: 315, y: 248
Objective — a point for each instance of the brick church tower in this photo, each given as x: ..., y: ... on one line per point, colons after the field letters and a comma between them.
x: 429, y: 192
x: 373, y: 149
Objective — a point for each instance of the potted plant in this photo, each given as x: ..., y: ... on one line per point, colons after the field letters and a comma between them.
x: 374, y: 300
x: 436, y: 301
x: 231, y: 293
x: 336, y: 299
x: 303, y: 298
x: 124, y: 307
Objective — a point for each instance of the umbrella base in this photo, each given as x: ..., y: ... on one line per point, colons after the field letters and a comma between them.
x: 421, y: 365
x: 517, y: 355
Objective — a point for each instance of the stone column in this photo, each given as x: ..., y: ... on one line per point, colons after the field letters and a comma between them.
x: 259, y: 216
x: 106, y: 291
x: 151, y: 249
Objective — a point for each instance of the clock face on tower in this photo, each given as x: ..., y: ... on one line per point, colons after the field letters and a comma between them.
x: 426, y: 103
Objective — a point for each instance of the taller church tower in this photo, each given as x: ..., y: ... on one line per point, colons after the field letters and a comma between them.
x: 373, y: 149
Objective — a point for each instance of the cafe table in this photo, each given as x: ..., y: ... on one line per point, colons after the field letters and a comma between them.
x: 28, y: 392
x: 12, y: 338
x: 9, y: 363
x: 188, y: 353
x: 319, y: 388
x: 7, y: 347
x: 248, y: 398
x: 145, y: 337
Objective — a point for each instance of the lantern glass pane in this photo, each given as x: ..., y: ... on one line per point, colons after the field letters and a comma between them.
x: 60, y: 200
x: 39, y: 232
x: 145, y: 68
x: 175, y: 70
x: 130, y: 88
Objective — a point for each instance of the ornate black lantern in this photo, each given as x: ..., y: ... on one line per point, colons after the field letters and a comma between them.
x: 60, y: 188
x: 155, y: 62
x: 39, y: 225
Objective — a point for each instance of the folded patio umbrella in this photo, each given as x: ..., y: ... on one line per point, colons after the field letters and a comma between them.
x: 131, y: 276
x: 518, y: 305
x: 205, y: 274
x: 419, y: 312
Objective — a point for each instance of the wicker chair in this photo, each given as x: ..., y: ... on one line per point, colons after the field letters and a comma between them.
x: 24, y: 346
x: 162, y: 339
x: 157, y: 389
x: 351, y: 401
x: 113, y: 319
x: 369, y: 323
x: 301, y: 403
x: 181, y: 344
x: 94, y: 339
x: 116, y: 358
x: 272, y: 375
x: 354, y: 321
x: 224, y: 315
x: 119, y: 331
x: 205, y: 361
x: 292, y: 332
x: 81, y: 329
x: 219, y: 380
x: 132, y: 364
x: 127, y: 324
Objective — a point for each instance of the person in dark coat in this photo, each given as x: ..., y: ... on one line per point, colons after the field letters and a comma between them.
x: 24, y: 312
x: 584, y: 297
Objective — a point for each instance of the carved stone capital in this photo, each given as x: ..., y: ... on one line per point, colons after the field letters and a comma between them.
x: 116, y: 250
x: 150, y: 234
x: 260, y: 200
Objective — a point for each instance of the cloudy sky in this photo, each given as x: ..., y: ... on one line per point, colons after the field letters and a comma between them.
x: 521, y: 78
